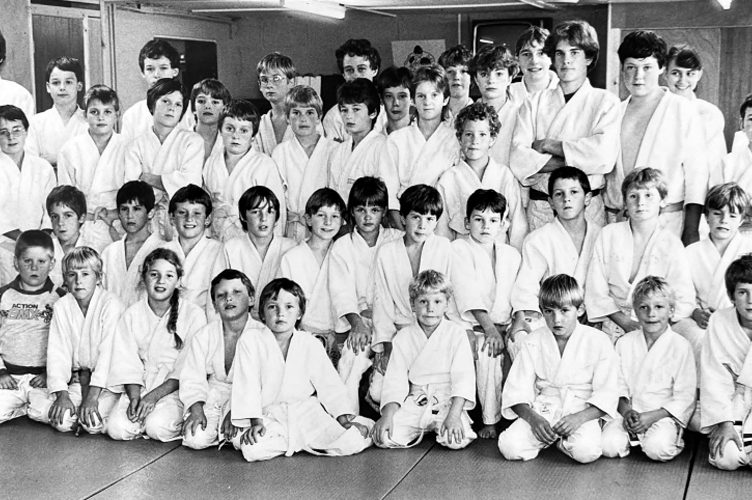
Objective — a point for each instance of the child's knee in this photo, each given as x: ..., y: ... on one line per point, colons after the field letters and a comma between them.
x: 201, y: 440
x: 513, y: 446
x: 582, y: 450
x: 162, y: 427
x: 120, y: 428
x: 39, y: 407
x: 614, y: 441
x: 732, y: 458
x: 660, y: 447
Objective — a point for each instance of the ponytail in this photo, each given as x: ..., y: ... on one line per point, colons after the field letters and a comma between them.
x: 172, y: 321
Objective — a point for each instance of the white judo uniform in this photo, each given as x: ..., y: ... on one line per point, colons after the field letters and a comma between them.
x: 519, y: 91
x: 226, y: 188
x: 502, y: 146
x: 737, y: 167
x: 198, y: 269
x: 301, y: 176
x: 144, y: 354
x: 298, y: 399
x: 557, y: 384
x: 411, y: 159
x: 48, y: 133
x: 98, y: 176
x: 481, y: 284
x: 459, y: 182
x: 334, y: 125
x: 713, y: 123
x: 17, y: 95
x: 77, y: 342
x: 56, y: 273
x: 726, y: 384
x: 708, y: 268
x: 663, y: 377
x: 120, y: 279
x: 423, y: 376
x: 265, y: 140
x: 609, y: 288
x: 346, y: 165
x: 138, y: 120
x: 587, y: 126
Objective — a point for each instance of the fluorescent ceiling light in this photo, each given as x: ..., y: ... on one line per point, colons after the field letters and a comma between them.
x: 320, y: 8
x: 726, y: 4
x: 486, y: 40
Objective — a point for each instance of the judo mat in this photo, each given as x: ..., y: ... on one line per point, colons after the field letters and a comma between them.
x: 37, y: 462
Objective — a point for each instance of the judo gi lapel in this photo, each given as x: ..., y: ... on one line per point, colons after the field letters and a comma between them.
x: 568, y: 111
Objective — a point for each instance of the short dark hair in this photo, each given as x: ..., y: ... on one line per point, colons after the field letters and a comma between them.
x: 272, y: 289
x: 191, y: 194
x: 494, y: 57
x: 211, y: 87
x: 458, y: 55
x: 229, y: 275
x: 241, y: 110
x: 432, y: 74
x: 163, y: 87
x: 360, y: 91
x: 422, y: 199
x: 69, y: 196
x: 684, y: 56
x: 358, y: 47
x: 577, y: 34
x: 138, y: 192
x: 255, y: 197
x: 477, y: 111
x: 368, y: 191
x: 730, y: 195
x: 11, y: 113
x: 739, y: 271
x: 532, y: 34
x: 393, y: 77
x: 572, y: 173
x: 155, y: 49
x: 642, y: 44
x: 65, y: 64
x: 103, y: 94
x: 325, y: 197
x: 484, y: 199
x: 34, y: 238
x: 3, y: 48
x: 747, y: 103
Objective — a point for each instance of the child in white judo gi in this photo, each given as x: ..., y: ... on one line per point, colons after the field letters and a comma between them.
x: 206, y: 375
x: 157, y: 59
x: 208, y: 99
x: 397, y: 262
x: 737, y: 165
x: 275, y: 78
x: 430, y: 381
x: 81, y: 333
x: 64, y: 120
x: 10, y: 91
x: 232, y: 169
x: 307, y: 263
x: 562, y: 246
x: 26, y: 306
x: 477, y: 130
x: 363, y: 149
x: 92, y: 162
x: 148, y: 352
x: 422, y: 151
x: 562, y: 382
x: 351, y: 268
x: 394, y: 88
x: 258, y: 251
x: 657, y: 380
x: 302, y: 160
x: 456, y: 63
x: 286, y: 395
x: 483, y: 273
x: 626, y: 252
x: 66, y: 207
x: 726, y: 373
x: 535, y: 64
x: 356, y: 58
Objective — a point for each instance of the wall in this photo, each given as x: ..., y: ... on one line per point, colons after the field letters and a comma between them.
x: 14, y: 24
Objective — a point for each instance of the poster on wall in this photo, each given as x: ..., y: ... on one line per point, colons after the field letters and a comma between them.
x: 416, y: 53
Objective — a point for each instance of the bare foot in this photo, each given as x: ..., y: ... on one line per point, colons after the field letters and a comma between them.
x: 488, y: 432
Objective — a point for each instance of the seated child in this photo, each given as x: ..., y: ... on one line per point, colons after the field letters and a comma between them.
x: 477, y: 128
x: 456, y: 63
x: 275, y: 78
x: 709, y: 258
x: 737, y: 165
x: 232, y: 169
x: 397, y: 262
x: 64, y: 120
x: 307, y: 263
x: 562, y: 246
x: 302, y: 159
x: 626, y: 252
x: 92, y: 162
x: 657, y: 380
x: 208, y: 367
x: 535, y: 65
x: 558, y: 390
x: 157, y: 59
x: 256, y: 253
x: 82, y: 321
x: 421, y: 152
x: 25, y: 314
x: 726, y: 373
x: 360, y: 153
x: 166, y: 157
x: 483, y: 272
x: 208, y: 99
x: 146, y: 351
x: 66, y: 207
x: 394, y: 88
x: 310, y: 411
x: 430, y: 381
x: 351, y: 265
x: 122, y: 259
x: 356, y: 58
x: 191, y: 212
